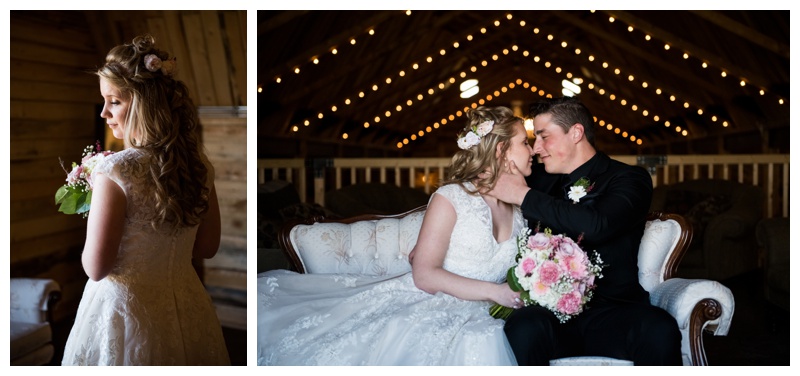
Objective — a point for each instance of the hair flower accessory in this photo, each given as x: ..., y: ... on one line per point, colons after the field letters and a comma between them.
x: 154, y: 63
x: 472, y: 136
x: 580, y: 189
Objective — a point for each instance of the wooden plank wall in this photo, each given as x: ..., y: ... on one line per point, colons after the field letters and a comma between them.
x: 53, y: 113
x: 225, y: 139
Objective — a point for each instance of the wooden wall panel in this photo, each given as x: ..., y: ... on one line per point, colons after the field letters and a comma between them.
x: 177, y: 42
x: 198, y: 55
x: 217, y: 58
x: 236, y: 29
x: 52, y: 114
x: 225, y: 140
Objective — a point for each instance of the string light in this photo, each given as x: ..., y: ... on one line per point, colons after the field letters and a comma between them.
x: 484, y: 63
x: 535, y: 30
x: 518, y: 83
x: 704, y: 64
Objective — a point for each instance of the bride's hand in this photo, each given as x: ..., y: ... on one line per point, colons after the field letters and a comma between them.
x: 508, y: 297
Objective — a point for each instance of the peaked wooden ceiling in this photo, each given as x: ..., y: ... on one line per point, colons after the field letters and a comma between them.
x: 521, y: 49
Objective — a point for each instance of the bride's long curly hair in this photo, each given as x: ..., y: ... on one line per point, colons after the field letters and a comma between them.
x: 162, y: 122
x: 469, y: 165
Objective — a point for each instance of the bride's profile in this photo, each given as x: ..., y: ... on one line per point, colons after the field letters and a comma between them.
x: 437, y: 314
x: 154, y: 207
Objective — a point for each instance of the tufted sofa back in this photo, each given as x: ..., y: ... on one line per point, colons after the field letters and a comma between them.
x: 374, y: 245
x: 379, y: 245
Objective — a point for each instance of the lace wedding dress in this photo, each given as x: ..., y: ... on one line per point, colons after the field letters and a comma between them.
x: 338, y: 319
x: 152, y: 308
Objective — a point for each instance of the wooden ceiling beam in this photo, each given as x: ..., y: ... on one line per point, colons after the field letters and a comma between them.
x: 675, y: 41
x: 638, y: 52
x: 343, y: 69
x: 325, y: 45
x: 279, y: 20
x: 743, y: 31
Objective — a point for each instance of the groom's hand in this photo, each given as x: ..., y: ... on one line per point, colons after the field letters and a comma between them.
x: 511, y: 186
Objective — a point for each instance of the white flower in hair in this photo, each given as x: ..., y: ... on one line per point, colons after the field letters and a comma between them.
x: 152, y: 62
x: 485, y: 127
x: 472, y: 136
x: 469, y: 140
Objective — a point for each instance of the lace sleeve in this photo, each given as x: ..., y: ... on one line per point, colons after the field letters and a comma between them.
x: 109, y: 166
x: 453, y: 193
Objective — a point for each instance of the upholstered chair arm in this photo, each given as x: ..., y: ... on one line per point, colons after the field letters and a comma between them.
x: 697, y: 305
x: 32, y: 299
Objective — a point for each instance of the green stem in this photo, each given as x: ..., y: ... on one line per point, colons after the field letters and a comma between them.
x: 500, y: 312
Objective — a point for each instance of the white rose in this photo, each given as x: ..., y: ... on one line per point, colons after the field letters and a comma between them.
x: 469, y: 140
x: 485, y: 127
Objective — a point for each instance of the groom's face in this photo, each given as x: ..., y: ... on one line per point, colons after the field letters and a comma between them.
x: 555, y: 148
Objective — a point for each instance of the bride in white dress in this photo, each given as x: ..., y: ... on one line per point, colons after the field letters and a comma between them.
x: 437, y: 314
x: 154, y: 207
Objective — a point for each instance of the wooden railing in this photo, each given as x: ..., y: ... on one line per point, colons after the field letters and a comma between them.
x: 770, y: 172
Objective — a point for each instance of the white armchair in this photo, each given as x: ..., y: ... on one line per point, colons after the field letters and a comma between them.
x: 32, y: 301
x: 379, y: 244
x: 698, y: 305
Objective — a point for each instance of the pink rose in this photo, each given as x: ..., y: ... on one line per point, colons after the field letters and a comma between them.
x: 528, y: 264
x: 568, y: 247
x: 549, y: 273
x: 570, y: 303
x: 538, y: 241
x: 75, y: 175
x: 152, y: 62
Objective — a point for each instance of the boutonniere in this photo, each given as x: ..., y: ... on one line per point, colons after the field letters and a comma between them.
x: 580, y: 189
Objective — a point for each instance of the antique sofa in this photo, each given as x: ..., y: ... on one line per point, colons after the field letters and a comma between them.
x: 380, y: 244
x: 723, y: 215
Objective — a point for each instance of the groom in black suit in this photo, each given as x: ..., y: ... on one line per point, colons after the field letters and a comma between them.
x: 610, y: 212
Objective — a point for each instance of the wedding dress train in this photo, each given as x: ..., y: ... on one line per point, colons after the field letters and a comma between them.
x: 338, y: 319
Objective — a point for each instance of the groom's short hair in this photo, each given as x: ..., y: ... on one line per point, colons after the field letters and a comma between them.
x: 565, y: 112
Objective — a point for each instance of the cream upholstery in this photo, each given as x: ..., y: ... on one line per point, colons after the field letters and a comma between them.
x: 379, y: 245
x: 31, y: 334
x: 373, y: 247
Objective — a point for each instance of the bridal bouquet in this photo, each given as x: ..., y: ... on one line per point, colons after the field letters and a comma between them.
x: 554, y: 272
x: 75, y: 197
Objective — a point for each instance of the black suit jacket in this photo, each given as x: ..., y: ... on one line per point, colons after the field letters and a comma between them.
x: 611, y: 218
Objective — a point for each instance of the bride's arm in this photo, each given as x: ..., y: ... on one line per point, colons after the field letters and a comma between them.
x: 104, y: 227
x: 428, y: 259
x: 206, y: 242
